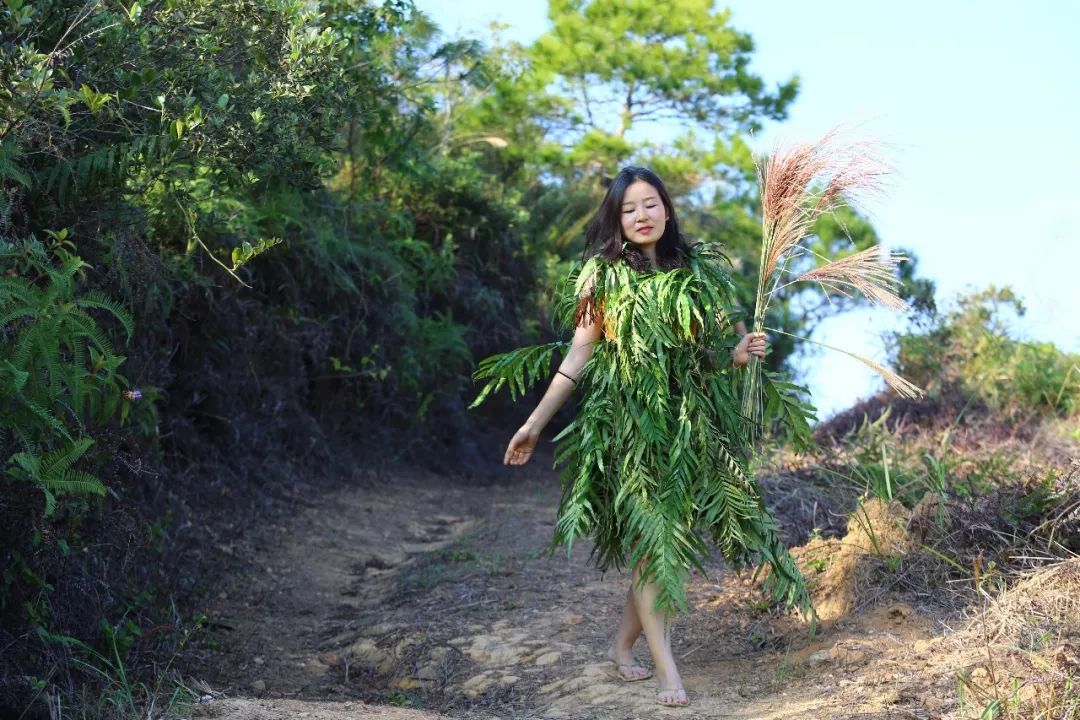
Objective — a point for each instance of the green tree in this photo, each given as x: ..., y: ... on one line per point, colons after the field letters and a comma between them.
x: 589, y: 95
x: 614, y: 65
x: 178, y: 111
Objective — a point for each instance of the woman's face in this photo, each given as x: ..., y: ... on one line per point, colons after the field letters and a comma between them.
x: 643, y: 214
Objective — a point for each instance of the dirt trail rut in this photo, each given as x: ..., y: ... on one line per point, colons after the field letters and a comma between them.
x: 414, y: 597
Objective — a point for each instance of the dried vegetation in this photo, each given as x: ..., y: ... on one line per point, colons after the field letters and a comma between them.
x: 965, y: 516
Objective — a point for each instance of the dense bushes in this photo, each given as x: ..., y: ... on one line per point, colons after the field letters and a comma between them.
x: 150, y: 158
x: 972, y: 347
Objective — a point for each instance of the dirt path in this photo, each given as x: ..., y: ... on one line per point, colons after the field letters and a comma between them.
x: 412, y: 597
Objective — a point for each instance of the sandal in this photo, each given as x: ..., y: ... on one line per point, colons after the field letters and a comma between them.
x: 632, y: 672
x: 672, y: 697
x: 628, y: 672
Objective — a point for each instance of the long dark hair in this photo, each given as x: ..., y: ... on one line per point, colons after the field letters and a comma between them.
x: 604, y: 235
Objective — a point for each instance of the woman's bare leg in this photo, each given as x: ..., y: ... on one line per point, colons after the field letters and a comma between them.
x: 622, y: 646
x: 658, y: 634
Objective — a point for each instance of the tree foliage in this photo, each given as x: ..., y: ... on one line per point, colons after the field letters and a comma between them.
x: 613, y: 64
x: 260, y: 190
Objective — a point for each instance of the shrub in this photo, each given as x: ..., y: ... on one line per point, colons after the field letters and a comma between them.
x: 971, y: 347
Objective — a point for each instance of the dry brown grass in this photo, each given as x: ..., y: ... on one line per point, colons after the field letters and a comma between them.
x: 901, y: 385
x: 790, y: 199
x: 1021, y: 651
x: 1046, y: 602
x: 841, y: 570
x: 1016, y: 652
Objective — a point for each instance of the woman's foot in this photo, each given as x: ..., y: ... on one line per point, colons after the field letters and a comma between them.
x: 672, y: 697
x: 627, y: 667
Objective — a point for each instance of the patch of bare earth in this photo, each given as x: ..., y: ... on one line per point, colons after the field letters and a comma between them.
x: 412, y: 596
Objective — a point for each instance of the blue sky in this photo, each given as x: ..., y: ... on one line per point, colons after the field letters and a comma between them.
x: 978, y: 107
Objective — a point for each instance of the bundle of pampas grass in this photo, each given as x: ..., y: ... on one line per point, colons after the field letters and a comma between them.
x: 799, y: 184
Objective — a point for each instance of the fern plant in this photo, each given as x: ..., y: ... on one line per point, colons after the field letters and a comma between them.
x: 58, y: 374
x: 518, y: 369
x: 107, y: 166
x: 53, y: 473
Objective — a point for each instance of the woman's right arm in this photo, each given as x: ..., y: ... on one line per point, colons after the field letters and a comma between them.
x: 561, y: 387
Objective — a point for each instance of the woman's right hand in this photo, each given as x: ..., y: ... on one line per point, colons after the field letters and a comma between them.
x: 521, y: 446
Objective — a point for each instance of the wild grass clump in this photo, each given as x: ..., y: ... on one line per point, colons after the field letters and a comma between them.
x: 980, y: 463
x: 977, y: 504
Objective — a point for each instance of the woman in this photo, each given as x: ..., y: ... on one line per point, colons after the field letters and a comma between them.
x: 657, y: 451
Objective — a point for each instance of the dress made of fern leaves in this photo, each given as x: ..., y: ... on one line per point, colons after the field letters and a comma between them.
x: 656, y: 461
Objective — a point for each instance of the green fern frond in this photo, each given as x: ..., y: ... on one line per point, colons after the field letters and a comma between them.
x: 24, y: 344
x: 7, y: 317
x: 22, y: 437
x: 58, y: 461
x: 19, y: 290
x: 50, y: 386
x: 787, y: 412
x: 28, y: 462
x: 100, y: 300
x: 12, y: 379
x: 9, y: 168
x: 88, y: 329
x: 50, y: 503
x: 74, y: 482
x: 48, y: 418
x: 108, y: 165
x: 53, y: 474
x: 519, y: 369
x: 49, y: 359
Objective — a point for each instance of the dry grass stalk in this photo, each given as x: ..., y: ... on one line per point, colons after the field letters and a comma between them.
x: 902, y: 386
x: 868, y: 271
x: 896, y: 382
x: 1028, y: 635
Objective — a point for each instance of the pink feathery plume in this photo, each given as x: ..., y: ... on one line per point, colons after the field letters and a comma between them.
x: 804, y: 182
x: 869, y: 271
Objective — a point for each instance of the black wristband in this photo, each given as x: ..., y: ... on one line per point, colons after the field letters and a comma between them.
x: 567, y: 377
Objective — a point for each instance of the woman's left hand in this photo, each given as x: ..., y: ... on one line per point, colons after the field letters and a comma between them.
x: 751, y: 344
